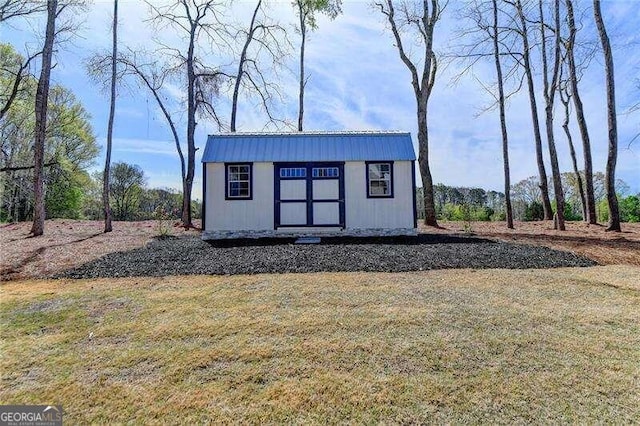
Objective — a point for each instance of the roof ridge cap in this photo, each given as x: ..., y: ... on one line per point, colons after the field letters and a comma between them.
x: 315, y: 133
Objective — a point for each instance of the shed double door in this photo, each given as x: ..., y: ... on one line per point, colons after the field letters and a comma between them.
x: 309, y: 195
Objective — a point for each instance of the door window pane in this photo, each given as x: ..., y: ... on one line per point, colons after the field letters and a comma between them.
x: 293, y: 172
x: 325, y: 172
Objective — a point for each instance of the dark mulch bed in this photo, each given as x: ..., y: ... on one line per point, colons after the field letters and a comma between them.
x: 190, y: 255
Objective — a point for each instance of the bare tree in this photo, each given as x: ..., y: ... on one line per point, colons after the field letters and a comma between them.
x: 202, y: 82
x: 526, y: 59
x: 18, y: 70
x: 269, y: 37
x: 612, y: 156
x: 42, y: 95
x: 241, y: 63
x: 494, y: 34
x: 148, y: 74
x: 16, y: 73
x: 422, y: 20
x: 307, y: 10
x: 112, y: 110
x: 20, y: 8
x: 550, y: 89
x: 153, y: 78
x: 582, y: 123
x: 503, y: 121
x: 565, y: 99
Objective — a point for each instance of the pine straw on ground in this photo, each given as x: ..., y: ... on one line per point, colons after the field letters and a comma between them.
x: 192, y: 256
x: 592, y: 241
x: 454, y: 346
x: 69, y: 243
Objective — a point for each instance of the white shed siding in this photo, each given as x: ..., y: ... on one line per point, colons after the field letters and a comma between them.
x: 235, y: 215
x: 362, y: 212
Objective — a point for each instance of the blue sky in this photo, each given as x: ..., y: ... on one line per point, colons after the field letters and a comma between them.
x: 357, y: 82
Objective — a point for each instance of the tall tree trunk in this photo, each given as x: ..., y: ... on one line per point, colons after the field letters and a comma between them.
x: 550, y: 89
x: 612, y: 155
x: 423, y: 165
x: 503, y: 120
x: 422, y: 86
x: 14, y: 205
x: 533, y: 105
x: 582, y: 123
x: 243, y: 58
x: 112, y: 111
x: 42, y: 95
x: 191, y: 130
x: 572, y: 151
x: 422, y: 96
x: 303, y: 33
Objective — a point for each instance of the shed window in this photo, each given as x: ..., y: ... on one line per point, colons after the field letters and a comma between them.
x: 293, y: 172
x: 379, y: 180
x: 239, y: 181
x: 325, y: 172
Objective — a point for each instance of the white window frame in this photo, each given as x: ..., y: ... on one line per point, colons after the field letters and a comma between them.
x: 238, y: 172
x: 388, y: 178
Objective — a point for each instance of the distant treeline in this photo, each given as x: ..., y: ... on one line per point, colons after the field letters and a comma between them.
x: 477, y: 204
x: 74, y: 194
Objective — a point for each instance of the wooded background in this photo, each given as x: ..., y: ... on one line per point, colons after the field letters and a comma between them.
x: 48, y: 145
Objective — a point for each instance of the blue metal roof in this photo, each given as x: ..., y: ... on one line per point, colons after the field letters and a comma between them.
x: 309, y: 146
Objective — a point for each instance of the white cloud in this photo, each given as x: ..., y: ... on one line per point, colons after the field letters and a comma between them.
x: 130, y: 112
x: 143, y: 146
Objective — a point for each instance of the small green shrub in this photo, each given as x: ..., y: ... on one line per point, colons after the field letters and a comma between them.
x: 533, y: 211
x: 452, y: 212
x: 481, y: 214
x: 630, y: 209
x: 499, y: 216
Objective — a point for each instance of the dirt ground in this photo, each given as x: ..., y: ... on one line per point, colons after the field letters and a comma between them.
x: 70, y: 243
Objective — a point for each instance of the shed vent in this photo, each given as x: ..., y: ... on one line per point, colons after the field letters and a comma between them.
x: 308, y: 240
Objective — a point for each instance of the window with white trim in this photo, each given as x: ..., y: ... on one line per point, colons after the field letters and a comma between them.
x: 239, y: 181
x: 379, y: 180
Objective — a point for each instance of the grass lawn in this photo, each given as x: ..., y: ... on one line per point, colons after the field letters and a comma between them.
x: 445, y: 346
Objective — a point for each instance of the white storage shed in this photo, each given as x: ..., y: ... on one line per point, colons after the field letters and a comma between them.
x: 308, y: 183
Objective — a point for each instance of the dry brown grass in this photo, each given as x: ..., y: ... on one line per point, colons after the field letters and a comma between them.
x: 66, y: 244
x: 592, y: 241
x: 497, y: 346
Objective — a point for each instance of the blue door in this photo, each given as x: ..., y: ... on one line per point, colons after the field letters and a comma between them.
x: 309, y: 195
